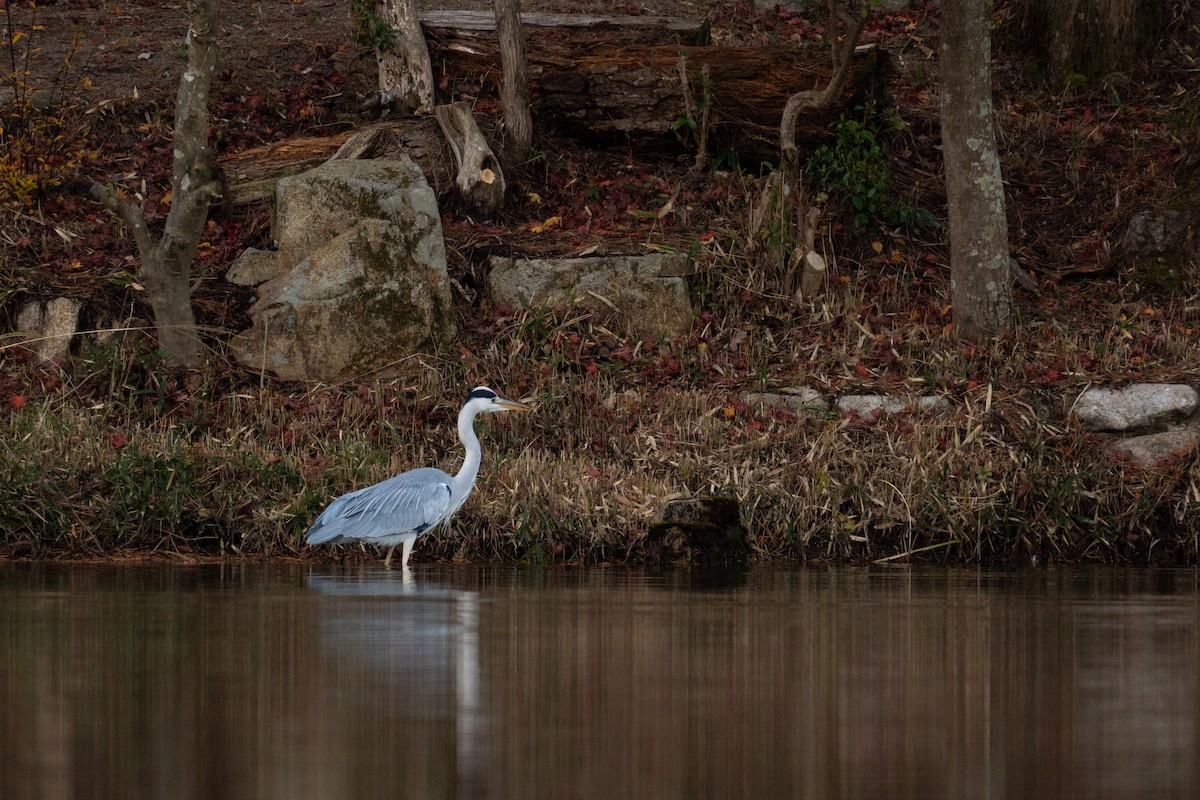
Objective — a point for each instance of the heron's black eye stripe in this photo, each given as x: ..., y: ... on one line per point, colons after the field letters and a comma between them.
x: 482, y: 392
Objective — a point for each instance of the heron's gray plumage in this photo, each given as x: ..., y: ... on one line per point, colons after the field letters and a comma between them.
x: 409, y: 503
x: 396, y: 511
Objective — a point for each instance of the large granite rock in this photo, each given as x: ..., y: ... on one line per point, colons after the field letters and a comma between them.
x: 359, y: 277
x: 644, y: 295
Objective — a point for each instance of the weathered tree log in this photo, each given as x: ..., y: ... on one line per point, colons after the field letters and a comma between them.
x: 599, y: 80
x: 466, y: 24
x: 480, y: 179
x: 252, y: 173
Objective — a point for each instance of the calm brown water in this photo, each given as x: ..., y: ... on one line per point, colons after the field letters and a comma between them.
x: 299, y: 682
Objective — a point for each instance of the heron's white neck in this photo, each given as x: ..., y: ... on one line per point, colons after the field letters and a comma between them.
x: 470, y: 468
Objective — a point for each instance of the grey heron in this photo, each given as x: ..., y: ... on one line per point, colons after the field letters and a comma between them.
x: 396, y: 511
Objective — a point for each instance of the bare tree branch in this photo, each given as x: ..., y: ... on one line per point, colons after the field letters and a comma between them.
x: 782, y: 198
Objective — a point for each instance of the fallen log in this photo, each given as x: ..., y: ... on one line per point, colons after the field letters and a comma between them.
x: 635, y: 93
x: 617, y: 79
x: 250, y: 175
x: 603, y: 80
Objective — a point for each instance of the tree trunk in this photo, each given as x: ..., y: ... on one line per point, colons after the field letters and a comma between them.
x: 166, y: 263
x: 514, y: 91
x: 405, y: 71
x: 1084, y: 40
x: 980, y: 281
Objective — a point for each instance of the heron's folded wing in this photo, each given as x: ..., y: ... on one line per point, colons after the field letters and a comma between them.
x: 407, y: 503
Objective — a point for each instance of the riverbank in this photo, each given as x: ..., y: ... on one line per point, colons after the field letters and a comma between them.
x: 106, y: 453
x: 113, y: 458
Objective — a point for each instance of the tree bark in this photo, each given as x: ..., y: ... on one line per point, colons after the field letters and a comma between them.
x: 166, y: 262
x: 514, y: 91
x: 405, y: 71
x: 980, y: 281
x: 1088, y: 39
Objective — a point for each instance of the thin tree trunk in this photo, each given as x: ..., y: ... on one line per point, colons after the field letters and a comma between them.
x: 980, y: 279
x: 782, y: 198
x: 405, y: 71
x: 167, y: 262
x: 514, y: 92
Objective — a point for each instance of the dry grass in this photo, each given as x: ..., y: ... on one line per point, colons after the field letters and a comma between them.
x: 114, y: 457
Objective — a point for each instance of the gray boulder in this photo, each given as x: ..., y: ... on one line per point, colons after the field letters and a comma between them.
x: 1161, y: 244
x: 644, y: 295
x: 1141, y: 405
x: 1158, y: 449
x: 358, y: 280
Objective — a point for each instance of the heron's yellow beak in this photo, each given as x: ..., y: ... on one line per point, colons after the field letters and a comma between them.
x: 512, y: 405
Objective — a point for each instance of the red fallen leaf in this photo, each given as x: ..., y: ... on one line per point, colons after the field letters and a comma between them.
x: 18, y: 401
x: 118, y: 440
x: 862, y: 371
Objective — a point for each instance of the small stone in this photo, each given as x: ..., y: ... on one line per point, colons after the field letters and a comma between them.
x: 1141, y: 405
x: 49, y: 327
x: 866, y: 405
x: 1156, y: 449
x: 801, y: 400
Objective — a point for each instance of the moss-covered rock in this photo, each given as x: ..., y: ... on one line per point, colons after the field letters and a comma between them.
x: 359, y: 280
x: 1161, y: 246
x: 700, y: 531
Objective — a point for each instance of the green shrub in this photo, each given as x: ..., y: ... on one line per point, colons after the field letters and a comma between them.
x: 854, y: 171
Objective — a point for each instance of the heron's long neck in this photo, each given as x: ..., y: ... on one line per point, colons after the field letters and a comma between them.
x: 466, y: 432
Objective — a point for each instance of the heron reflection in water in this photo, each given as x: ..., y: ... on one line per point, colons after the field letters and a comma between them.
x: 394, y: 512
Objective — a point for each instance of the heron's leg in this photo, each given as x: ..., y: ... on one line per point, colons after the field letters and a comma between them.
x: 387, y: 562
x: 408, y: 546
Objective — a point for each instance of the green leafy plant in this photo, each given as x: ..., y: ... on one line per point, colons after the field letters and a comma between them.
x: 369, y: 28
x: 854, y: 171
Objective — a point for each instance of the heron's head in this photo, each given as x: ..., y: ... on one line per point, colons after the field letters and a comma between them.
x: 484, y: 399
